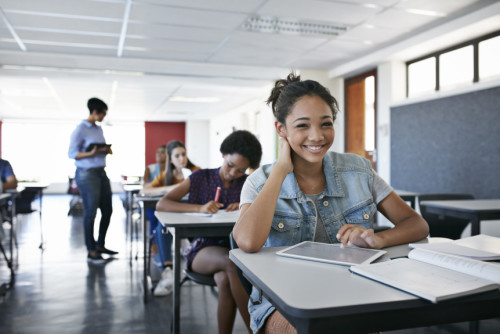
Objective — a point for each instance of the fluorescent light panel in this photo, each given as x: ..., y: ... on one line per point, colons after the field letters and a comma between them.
x: 267, y: 24
x: 193, y: 99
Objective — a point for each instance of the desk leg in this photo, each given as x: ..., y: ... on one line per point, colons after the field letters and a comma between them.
x: 12, y: 229
x: 177, y: 284
x: 130, y: 203
x: 475, y: 226
x: 474, y: 327
x: 41, y: 225
x: 145, y: 245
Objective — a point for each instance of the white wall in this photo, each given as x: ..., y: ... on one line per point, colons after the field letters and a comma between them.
x: 197, y: 145
x: 391, y: 88
x: 255, y: 117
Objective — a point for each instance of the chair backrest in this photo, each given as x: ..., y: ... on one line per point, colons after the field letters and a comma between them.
x: 442, y: 226
x: 246, y: 284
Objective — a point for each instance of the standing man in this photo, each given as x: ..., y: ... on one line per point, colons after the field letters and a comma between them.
x: 91, y: 179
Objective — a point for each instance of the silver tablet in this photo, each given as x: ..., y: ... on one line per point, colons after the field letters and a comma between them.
x: 331, y: 253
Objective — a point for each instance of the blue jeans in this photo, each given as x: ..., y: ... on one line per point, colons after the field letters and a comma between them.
x: 164, y: 241
x: 95, y: 190
x: 162, y: 238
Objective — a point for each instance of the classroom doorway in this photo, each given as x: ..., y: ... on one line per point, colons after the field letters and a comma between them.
x: 361, y: 116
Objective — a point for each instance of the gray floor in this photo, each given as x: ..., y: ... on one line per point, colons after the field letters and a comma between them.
x: 56, y: 291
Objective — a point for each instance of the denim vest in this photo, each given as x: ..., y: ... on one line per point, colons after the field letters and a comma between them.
x: 347, y: 199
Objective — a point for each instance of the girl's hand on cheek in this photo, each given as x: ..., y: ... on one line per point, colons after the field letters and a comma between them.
x: 284, y: 155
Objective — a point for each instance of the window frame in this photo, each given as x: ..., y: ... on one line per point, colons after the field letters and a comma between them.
x: 475, y: 46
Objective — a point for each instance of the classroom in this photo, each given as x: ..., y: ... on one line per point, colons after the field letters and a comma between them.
x: 417, y: 91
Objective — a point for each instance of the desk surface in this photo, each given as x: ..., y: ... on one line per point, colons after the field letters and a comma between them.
x: 37, y: 185
x: 5, y: 196
x: 285, y: 279
x: 317, y: 296
x: 405, y: 193
x: 467, y: 205
x: 132, y: 187
x: 178, y: 219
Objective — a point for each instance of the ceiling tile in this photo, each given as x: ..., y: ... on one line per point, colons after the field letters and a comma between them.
x: 323, y: 11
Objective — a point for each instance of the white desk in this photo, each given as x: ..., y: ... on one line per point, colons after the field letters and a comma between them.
x: 189, y: 226
x: 38, y: 188
x: 130, y: 190
x: 145, y: 202
x: 473, y: 209
x: 324, y: 298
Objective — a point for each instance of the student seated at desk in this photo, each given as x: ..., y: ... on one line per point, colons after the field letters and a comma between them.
x: 153, y: 170
x: 240, y: 150
x: 310, y: 193
x: 176, y: 167
x: 9, y: 180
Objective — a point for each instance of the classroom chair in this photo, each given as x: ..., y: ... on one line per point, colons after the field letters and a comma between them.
x: 443, y: 226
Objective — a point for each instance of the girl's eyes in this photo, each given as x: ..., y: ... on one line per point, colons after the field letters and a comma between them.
x: 304, y: 125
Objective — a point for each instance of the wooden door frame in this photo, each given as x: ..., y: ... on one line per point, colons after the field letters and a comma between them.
x: 352, y: 80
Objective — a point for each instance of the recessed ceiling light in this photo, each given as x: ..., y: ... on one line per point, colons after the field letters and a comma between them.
x: 425, y: 12
x: 70, y: 70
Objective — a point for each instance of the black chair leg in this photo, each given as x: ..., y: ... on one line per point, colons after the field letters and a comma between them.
x: 7, y: 286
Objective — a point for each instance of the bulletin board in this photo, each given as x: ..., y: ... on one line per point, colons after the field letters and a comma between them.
x: 448, y: 145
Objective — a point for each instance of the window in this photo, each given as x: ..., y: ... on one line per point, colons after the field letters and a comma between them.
x: 370, y: 113
x: 489, y: 55
x: 40, y: 152
x: 422, y: 77
x: 463, y: 64
x: 456, y: 68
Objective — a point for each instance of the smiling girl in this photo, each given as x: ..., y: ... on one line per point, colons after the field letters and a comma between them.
x: 313, y: 194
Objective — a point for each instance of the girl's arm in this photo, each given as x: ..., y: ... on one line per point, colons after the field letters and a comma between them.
x: 10, y: 182
x: 255, y: 220
x: 171, y: 201
x: 153, y: 191
x: 409, y: 226
x: 146, y: 175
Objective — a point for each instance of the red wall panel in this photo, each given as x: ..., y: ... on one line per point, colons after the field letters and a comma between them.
x: 160, y: 133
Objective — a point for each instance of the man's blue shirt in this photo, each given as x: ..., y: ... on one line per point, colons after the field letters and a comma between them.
x: 85, y: 134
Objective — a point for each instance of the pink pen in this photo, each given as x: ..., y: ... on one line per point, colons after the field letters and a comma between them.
x: 217, y: 194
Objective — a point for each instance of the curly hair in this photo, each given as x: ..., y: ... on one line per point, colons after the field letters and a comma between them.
x: 288, y: 91
x: 245, y: 144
